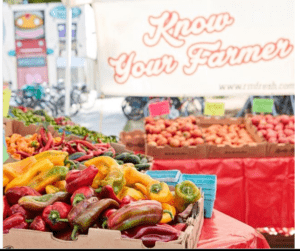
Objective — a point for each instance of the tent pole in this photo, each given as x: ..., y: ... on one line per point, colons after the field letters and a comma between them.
x: 68, y: 62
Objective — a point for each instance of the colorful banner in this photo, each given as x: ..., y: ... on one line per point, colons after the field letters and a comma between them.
x: 195, y: 47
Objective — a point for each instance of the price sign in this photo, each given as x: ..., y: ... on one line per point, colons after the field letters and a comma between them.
x: 262, y: 105
x: 214, y: 109
x: 6, y: 99
x: 159, y: 108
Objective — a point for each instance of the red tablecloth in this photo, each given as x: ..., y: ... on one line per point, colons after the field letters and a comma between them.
x: 257, y: 191
x: 222, y: 231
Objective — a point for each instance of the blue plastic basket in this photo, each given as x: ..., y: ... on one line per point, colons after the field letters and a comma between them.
x: 171, y: 177
x: 208, y: 185
x: 208, y: 207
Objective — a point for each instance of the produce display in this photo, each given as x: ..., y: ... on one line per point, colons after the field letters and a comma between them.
x: 60, y: 124
x: 79, y: 150
x: 234, y: 135
x: 43, y: 193
x: 180, y: 132
x: 279, y: 129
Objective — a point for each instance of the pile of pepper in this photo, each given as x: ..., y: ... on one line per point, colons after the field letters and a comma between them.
x: 60, y: 124
x: 41, y: 193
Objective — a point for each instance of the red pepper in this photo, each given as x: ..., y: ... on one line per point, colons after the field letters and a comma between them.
x: 81, y: 194
x: 107, y: 192
x: 49, y: 143
x: 56, y: 215
x: 23, y: 154
x: 85, y: 143
x: 14, y: 221
x: 6, y: 208
x: 80, y: 178
x: 150, y: 239
x: 86, y: 157
x: 180, y: 226
x: 15, y: 209
x: 61, y: 140
x: 109, y: 212
x: 140, y: 231
x: 98, y: 152
x: 70, y: 148
x: 43, y: 136
x: 15, y: 193
x: 39, y: 224
x: 126, y: 200
x: 80, y: 149
x: 85, y: 137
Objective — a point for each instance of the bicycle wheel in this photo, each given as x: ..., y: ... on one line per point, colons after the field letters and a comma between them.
x: 193, y: 106
x: 47, y: 106
x: 132, y: 108
x: 74, y: 107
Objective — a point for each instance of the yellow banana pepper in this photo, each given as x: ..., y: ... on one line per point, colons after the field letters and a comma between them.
x: 135, y: 194
x: 57, y: 158
x: 51, y: 189
x: 160, y: 192
x: 104, y: 165
x: 14, y: 169
x: 61, y: 185
x: 169, y: 213
x: 141, y: 188
x: 36, y: 169
x: 46, y: 178
x: 133, y: 176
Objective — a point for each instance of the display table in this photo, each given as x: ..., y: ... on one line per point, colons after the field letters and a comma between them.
x: 257, y: 191
x: 222, y: 231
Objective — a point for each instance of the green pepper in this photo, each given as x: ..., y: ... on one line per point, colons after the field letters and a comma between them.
x: 38, y: 203
x: 186, y: 193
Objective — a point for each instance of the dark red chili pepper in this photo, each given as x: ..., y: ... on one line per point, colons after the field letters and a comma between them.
x: 126, y: 200
x: 23, y: 154
x: 15, y: 193
x: 98, y: 152
x: 56, y: 215
x: 81, y: 194
x: 14, y: 221
x: 43, y: 136
x: 6, y: 208
x: 80, y: 149
x: 150, y: 239
x: 49, y: 143
x: 85, y: 143
x: 180, y: 226
x: 140, y: 231
x: 15, y: 209
x: 39, y: 224
x: 70, y: 148
x: 85, y: 137
x: 86, y: 157
x: 80, y: 178
x: 107, y: 192
x: 61, y: 140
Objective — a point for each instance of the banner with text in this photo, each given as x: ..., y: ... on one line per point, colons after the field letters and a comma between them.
x: 195, y: 47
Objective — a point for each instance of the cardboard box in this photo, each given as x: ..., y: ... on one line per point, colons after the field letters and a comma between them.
x: 134, y: 140
x: 272, y: 149
x: 185, y: 152
x: 256, y: 149
x: 98, y: 238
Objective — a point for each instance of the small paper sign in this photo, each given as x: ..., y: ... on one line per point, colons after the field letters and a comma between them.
x: 6, y: 99
x: 5, y: 154
x: 159, y: 108
x: 262, y: 105
x: 214, y: 109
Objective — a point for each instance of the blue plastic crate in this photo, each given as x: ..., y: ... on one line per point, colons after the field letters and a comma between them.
x: 204, y: 181
x: 171, y: 177
x: 209, y: 197
x: 209, y: 192
x: 208, y: 207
